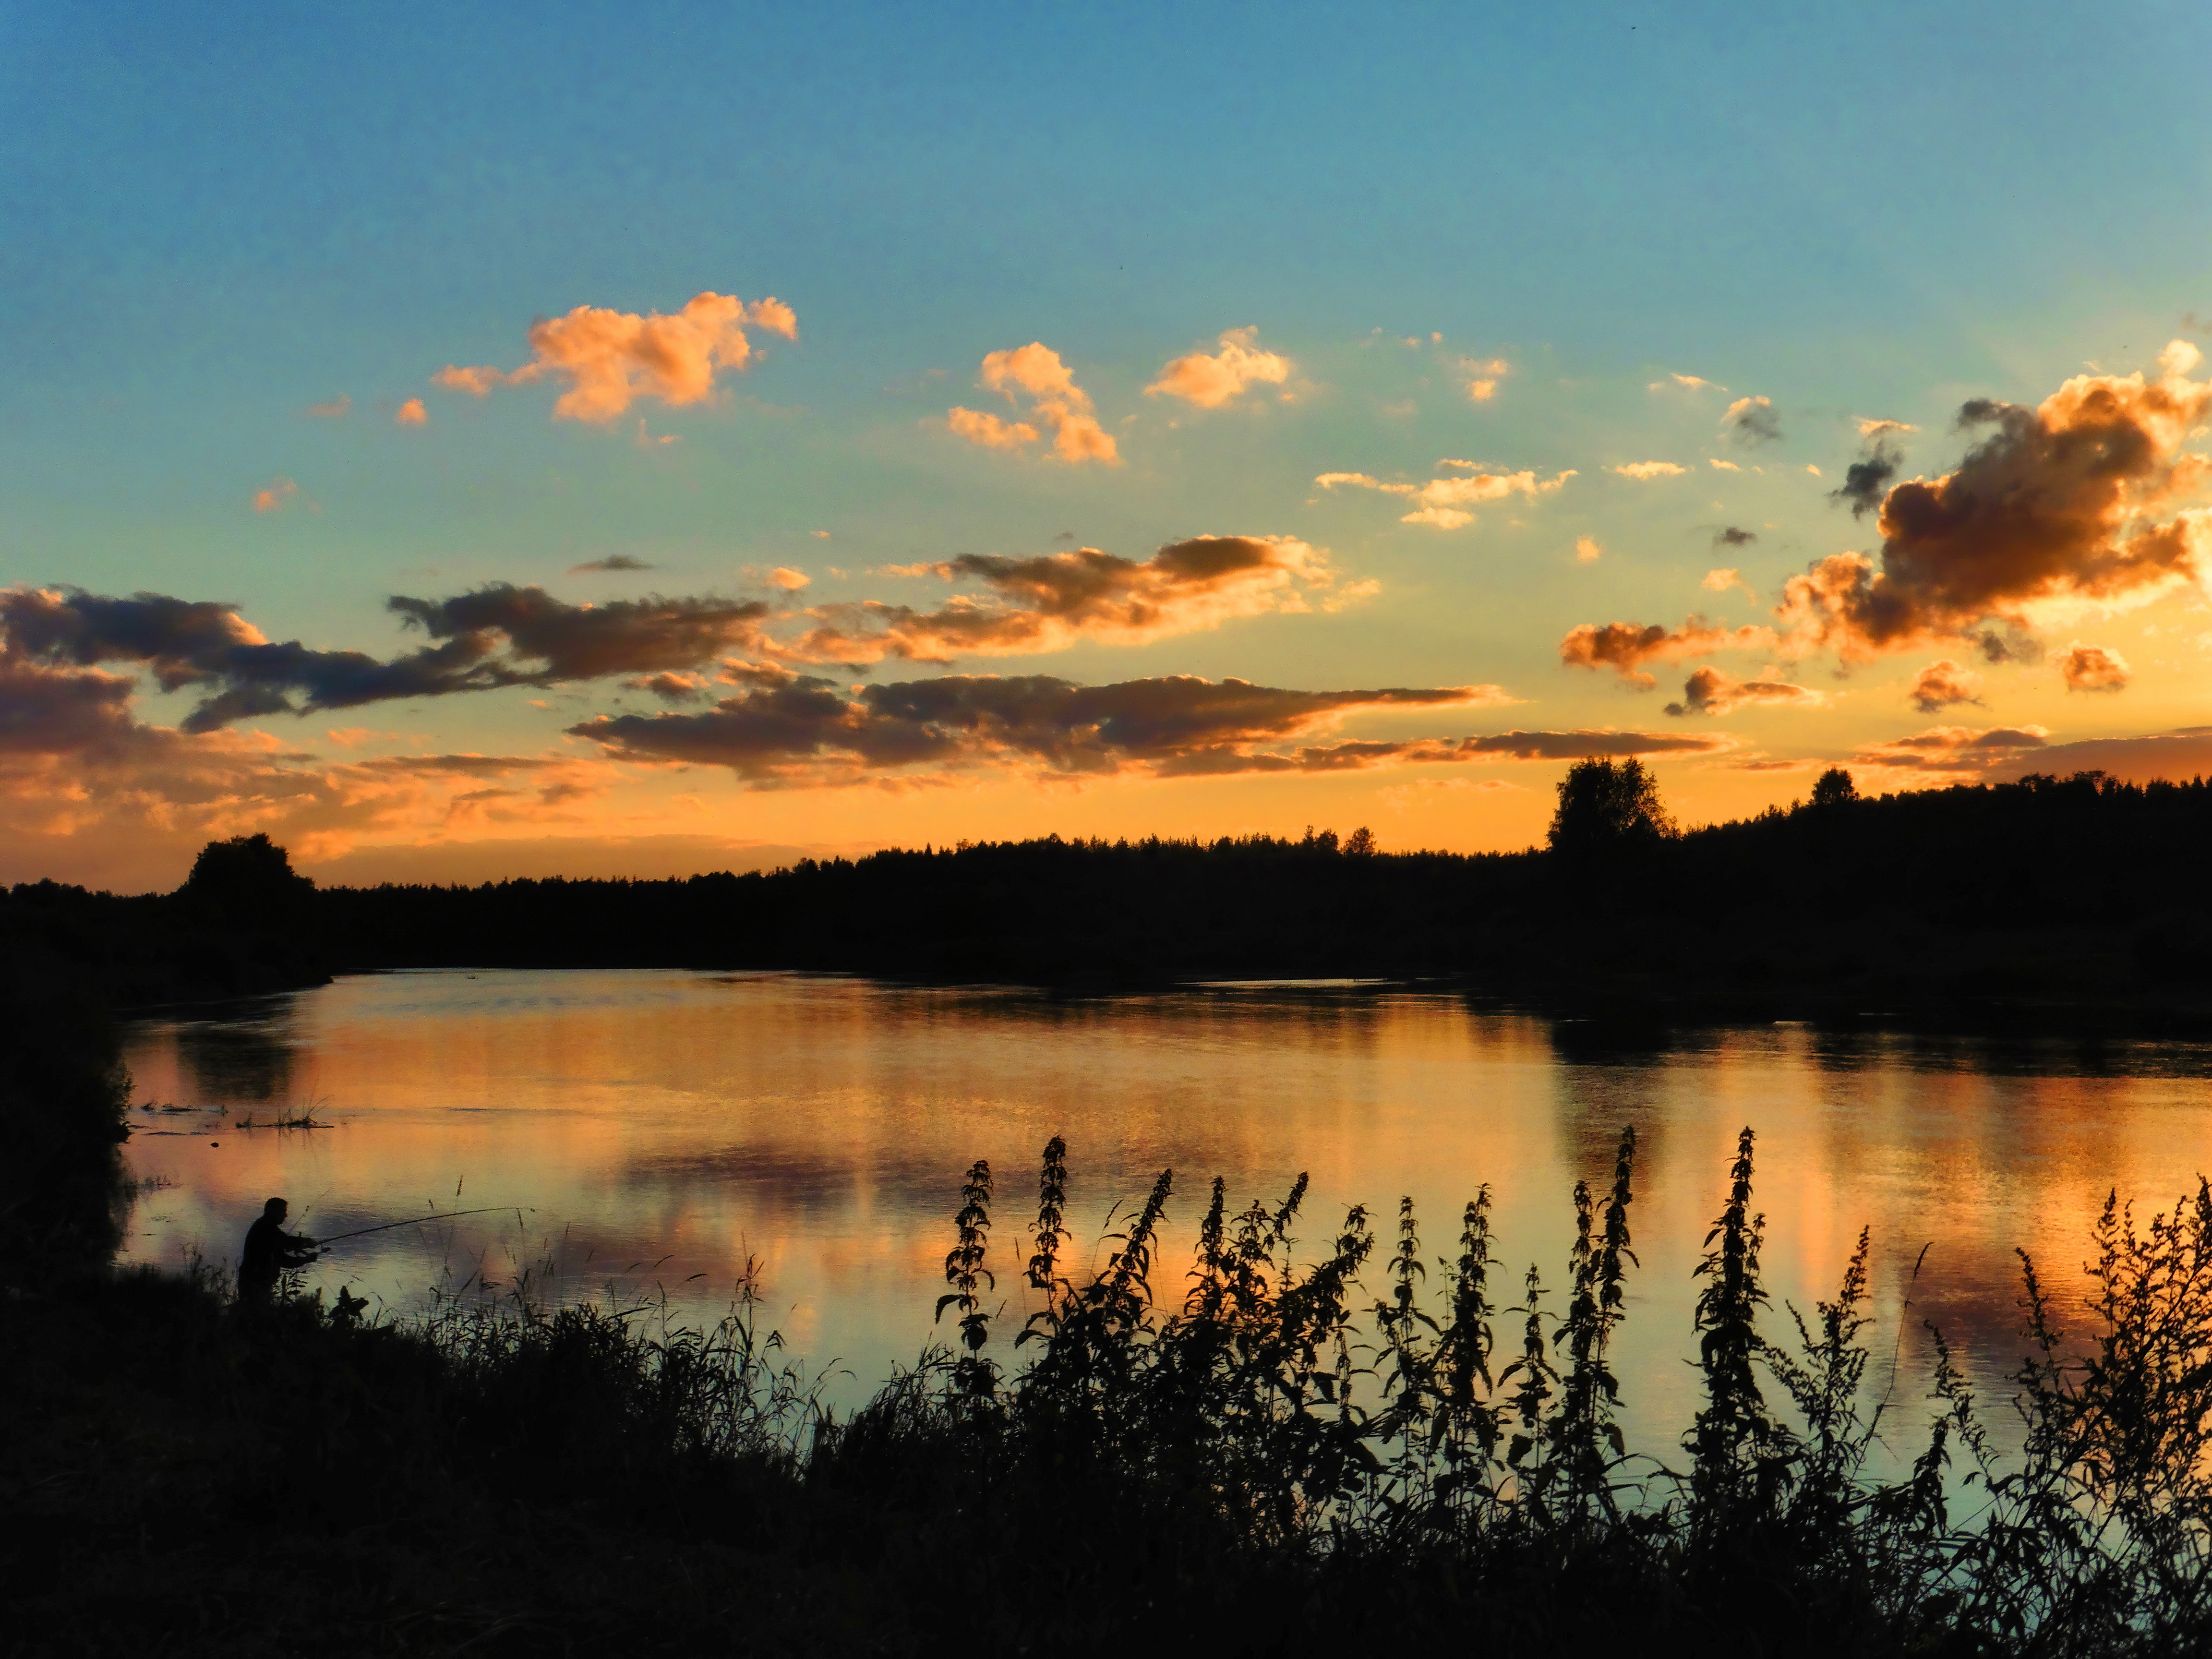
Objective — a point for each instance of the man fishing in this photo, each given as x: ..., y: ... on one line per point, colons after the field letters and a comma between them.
x: 269, y: 1250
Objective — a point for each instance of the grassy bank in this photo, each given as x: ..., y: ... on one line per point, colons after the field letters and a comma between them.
x: 1269, y: 1449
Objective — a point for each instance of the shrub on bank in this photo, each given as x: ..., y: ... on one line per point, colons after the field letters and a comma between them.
x: 1283, y: 1456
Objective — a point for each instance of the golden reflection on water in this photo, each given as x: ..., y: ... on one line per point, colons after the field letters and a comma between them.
x: 660, y: 1128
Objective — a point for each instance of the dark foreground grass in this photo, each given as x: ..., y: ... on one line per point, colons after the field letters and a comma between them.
x: 1268, y: 1458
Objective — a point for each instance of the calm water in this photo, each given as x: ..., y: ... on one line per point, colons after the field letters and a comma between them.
x: 660, y: 1128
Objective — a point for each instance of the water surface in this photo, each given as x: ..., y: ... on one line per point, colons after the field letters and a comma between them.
x: 657, y: 1128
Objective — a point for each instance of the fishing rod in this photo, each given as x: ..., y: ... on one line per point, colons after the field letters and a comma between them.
x: 416, y: 1221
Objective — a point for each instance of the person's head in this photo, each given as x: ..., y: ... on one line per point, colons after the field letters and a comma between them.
x: 276, y: 1209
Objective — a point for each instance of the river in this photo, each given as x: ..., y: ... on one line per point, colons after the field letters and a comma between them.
x: 657, y: 1128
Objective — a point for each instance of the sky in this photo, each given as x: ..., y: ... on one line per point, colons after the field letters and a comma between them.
x: 471, y: 440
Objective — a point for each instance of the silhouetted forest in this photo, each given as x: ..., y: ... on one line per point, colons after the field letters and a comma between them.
x: 2084, y: 889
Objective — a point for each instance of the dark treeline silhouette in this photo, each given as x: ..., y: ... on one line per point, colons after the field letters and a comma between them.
x: 2085, y: 892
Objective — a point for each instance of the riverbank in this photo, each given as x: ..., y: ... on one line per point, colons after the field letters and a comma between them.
x: 1295, y: 1455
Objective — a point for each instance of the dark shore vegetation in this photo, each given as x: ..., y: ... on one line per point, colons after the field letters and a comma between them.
x: 2081, y: 904
x: 1381, y: 1437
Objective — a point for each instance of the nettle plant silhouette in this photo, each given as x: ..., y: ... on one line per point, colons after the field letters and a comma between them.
x: 1276, y: 1407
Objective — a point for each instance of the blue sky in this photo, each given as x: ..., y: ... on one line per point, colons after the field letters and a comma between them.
x: 215, y: 222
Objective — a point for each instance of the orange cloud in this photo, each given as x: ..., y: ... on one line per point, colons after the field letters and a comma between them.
x: 411, y: 413
x: 611, y: 359
x: 1624, y: 647
x: 1048, y: 602
x: 1587, y: 550
x: 1483, y: 377
x: 1037, y: 372
x: 477, y: 382
x: 1720, y: 582
x: 1211, y: 381
x: 276, y: 497
x: 1945, y: 750
x: 1443, y: 502
x: 789, y: 580
x: 1649, y: 469
x: 2093, y: 668
x: 1710, y: 691
x: 985, y: 429
x: 1943, y: 685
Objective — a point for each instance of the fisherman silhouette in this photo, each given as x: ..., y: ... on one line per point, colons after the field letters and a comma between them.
x: 268, y: 1251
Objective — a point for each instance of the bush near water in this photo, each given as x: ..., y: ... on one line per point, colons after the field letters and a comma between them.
x: 1382, y: 1439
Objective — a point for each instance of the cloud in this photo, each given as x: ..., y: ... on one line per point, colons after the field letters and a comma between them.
x: 411, y: 413
x: 1710, y: 691
x: 1443, y: 502
x: 2057, y: 510
x: 611, y: 359
x: 1050, y: 601
x: 988, y: 431
x: 670, y: 687
x: 1649, y: 469
x: 1588, y: 745
x: 789, y: 580
x: 276, y: 497
x: 208, y: 646
x: 1731, y: 536
x: 1720, y: 582
x: 1035, y: 371
x: 784, y: 730
x: 1587, y: 550
x: 1720, y: 466
x: 1951, y: 748
x: 1482, y: 376
x: 1687, y: 383
x: 2177, y: 755
x: 1209, y: 382
x: 612, y: 562
x: 476, y: 382
x: 1868, y: 479
x: 1751, y: 421
x: 2093, y: 668
x: 332, y: 410
x: 1624, y: 647
x: 88, y: 793
x: 1943, y: 685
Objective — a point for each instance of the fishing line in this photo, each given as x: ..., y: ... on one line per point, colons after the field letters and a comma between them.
x: 417, y: 1221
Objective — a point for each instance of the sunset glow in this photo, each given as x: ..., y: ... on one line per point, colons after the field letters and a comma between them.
x: 659, y: 475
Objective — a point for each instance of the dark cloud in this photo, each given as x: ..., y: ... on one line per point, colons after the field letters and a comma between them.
x: 2177, y: 755
x: 1050, y: 601
x: 209, y: 646
x: 1954, y: 748
x: 792, y: 729
x: 1867, y: 480
x: 63, y: 711
x: 1710, y: 691
x: 2057, y: 503
x: 1587, y: 745
x: 1752, y: 420
x: 1731, y: 536
x: 612, y: 562
x: 1624, y: 647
